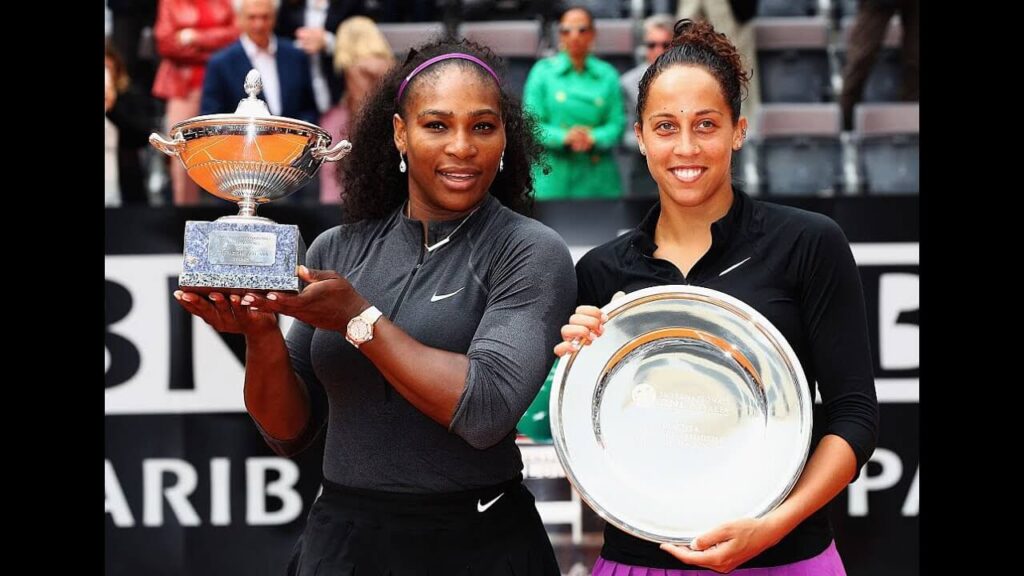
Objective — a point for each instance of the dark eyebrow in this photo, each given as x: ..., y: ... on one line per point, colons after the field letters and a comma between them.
x: 431, y: 112
x: 449, y: 113
x: 698, y: 113
x: 661, y: 115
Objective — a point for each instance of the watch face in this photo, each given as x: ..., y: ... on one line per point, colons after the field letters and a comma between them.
x: 359, y: 330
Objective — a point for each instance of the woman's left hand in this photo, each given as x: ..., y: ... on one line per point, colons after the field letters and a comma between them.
x: 727, y: 546
x: 328, y: 302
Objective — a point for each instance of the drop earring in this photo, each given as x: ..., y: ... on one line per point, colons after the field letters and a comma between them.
x: 501, y: 161
x: 401, y: 165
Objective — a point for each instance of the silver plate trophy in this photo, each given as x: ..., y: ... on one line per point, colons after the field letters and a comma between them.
x: 250, y: 157
x: 689, y: 411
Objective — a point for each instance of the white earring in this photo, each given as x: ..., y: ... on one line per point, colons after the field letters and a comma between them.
x: 401, y: 165
x: 643, y: 151
x: 501, y: 162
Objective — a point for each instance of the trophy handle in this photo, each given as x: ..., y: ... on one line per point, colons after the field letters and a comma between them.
x: 169, y: 147
x: 332, y: 154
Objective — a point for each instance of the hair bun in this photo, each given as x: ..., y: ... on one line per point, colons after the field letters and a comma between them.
x: 681, y: 27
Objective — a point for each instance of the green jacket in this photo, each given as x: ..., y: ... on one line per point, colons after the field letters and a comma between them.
x: 560, y: 97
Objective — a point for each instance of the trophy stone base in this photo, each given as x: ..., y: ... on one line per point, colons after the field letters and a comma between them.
x: 235, y: 254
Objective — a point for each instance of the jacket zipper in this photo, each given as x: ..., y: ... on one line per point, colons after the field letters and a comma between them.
x: 398, y: 306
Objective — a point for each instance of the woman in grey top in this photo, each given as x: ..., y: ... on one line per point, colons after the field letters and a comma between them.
x: 449, y: 300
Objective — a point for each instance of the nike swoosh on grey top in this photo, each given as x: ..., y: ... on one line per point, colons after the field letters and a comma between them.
x: 435, y: 297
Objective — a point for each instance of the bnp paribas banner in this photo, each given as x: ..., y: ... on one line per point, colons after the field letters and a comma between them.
x: 190, y: 488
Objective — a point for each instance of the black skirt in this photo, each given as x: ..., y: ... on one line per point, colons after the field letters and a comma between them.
x: 488, y: 531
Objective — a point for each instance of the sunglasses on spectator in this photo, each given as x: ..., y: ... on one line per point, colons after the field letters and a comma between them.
x: 653, y: 45
x: 570, y: 29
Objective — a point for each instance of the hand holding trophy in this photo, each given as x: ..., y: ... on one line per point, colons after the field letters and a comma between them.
x: 250, y: 157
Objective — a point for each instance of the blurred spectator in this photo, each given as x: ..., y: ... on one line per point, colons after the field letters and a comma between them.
x: 311, y: 23
x: 362, y: 55
x: 187, y: 33
x: 865, y: 41
x: 129, y: 19
x: 735, y: 19
x: 128, y: 128
x: 576, y: 99
x: 111, y: 191
x: 283, y: 68
x: 657, y: 37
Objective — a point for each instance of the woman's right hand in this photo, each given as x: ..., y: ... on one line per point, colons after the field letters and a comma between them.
x: 226, y: 313
x: 585, y: 326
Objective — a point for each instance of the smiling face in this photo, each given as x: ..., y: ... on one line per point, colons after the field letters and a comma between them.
x: 452, y: 137
x: 689, y: 136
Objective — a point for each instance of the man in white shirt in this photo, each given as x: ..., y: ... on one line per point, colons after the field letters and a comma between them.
x: 284, y: 69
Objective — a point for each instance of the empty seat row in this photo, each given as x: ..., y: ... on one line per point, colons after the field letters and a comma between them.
x: 801, y: 149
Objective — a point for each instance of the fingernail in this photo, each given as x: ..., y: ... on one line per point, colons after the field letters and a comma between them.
x: 213, y: 296
x: 253, y: 308
x: 186, y: 297
x: 303, y: 269
x: 177, y: 294
x: 271, y: 296
x: 234, y: 298
x: 246, y: 300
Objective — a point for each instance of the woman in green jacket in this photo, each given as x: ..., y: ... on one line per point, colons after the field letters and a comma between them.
x: 578, y: 104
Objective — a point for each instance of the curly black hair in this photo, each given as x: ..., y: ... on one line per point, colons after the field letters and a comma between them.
x: 373, y: 185
x: 697, y: 43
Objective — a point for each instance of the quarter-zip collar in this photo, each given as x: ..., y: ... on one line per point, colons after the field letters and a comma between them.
x: 723, y: 230
x: 453, y: 229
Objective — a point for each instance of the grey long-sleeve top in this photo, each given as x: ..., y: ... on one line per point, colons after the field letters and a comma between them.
x: 497, y: 292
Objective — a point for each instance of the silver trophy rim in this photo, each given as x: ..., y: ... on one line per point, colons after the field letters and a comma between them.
x: 239, y: 119
x: 727, y: 302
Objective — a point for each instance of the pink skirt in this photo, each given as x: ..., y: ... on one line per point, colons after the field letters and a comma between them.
x: 827, y: 563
